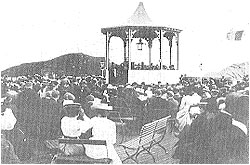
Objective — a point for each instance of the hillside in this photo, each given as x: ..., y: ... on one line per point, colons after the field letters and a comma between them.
x: 70, y: 64
x: 235, y: 71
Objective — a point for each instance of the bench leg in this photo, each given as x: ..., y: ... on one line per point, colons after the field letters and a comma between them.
x: 123, y: 133
x: 148, y: 151
x: 165, y: 151
x: 130, y: 156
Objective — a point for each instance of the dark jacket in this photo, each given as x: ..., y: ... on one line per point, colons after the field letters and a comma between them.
x: 28, y: 104
x: 212, y: 138
x: 49, y: 119
x: 156, y: 108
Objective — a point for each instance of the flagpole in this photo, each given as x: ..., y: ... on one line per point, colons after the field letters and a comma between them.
x: 201, y: 72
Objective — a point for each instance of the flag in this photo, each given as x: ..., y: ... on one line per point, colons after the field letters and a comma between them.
x: 235, y: 35
x: 238, y: 35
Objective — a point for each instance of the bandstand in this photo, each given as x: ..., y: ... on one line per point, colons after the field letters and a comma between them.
x: 140, y: 26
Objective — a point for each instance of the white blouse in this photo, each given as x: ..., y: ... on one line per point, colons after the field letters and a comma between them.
x: 72, y: 127
x: 8, y: 120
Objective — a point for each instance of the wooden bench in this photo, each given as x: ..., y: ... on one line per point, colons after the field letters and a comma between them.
x: 151, y: 134
x: 61, y: 158
x: 161, y: 129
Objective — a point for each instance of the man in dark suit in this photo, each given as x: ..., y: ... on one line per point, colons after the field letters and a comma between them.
x: 28, y: 104
x: 217, y: 137
x: 156, y: 108
x: 49, y: 116
x: 172, y: 104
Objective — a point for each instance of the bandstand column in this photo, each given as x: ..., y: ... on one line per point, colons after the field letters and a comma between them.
x: 160, y: 47
x: 170, y: 38
x: 170, y: 51
x: 150, y: 50
x: 129, y: 48
x: 107, y: 56
x: 125, y: 51
x: 177, y: 43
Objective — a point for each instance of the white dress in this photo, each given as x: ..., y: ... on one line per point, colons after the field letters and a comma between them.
x: 8, y: 120
x: 72, y: 127
x: 183, y: 116
x: 103, y: 129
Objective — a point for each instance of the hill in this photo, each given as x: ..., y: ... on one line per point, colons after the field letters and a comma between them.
x: 235, y: 71
x: 70, y: 64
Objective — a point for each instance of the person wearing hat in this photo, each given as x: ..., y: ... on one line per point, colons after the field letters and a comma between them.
x: 72, y: 127
x: 28, y: 103
x: 188, y: 108
x: 68, y: 97
x: 49, y: 116
x: 103, y: 129
x: 157, y: 108
x: 172, y: 104
x: 8, y: 119
x: 230, y: 139
x: 205, y: 93
x: 148, y: 91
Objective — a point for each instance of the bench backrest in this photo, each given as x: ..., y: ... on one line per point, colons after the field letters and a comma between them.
x: 147, y: 133
x: 82, y: 141
x: 162, y: 124
x: 150, y: 129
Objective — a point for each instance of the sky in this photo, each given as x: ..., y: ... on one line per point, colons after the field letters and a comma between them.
x: 41, y: 30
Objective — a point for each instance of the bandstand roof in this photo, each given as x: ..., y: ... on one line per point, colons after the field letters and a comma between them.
x: 140, y: 17
x: 139, y: 21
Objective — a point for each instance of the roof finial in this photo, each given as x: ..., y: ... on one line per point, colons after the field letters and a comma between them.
x: 140, y: 16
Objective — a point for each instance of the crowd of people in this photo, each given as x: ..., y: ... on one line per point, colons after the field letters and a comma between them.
x: 206, y: 113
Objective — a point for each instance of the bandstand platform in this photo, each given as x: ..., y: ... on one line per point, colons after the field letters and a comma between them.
x: 153, y: 76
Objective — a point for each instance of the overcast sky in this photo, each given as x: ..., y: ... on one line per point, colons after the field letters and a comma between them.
x: 36, y: 30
